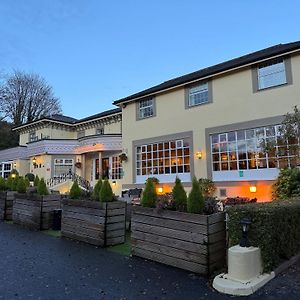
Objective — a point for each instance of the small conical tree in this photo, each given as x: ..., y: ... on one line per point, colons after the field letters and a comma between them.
x: 195, y: 202
x: 97, y: 189
x: 12, y: 181
x: 27, y: 182
x: 21, y: 186
x: 149, y: 196
x: 106, y: 193
x: 36, y: 180
x: 179, y: 196
x: 2, y: 184
x: 42, y: 188
x: 75, y: 191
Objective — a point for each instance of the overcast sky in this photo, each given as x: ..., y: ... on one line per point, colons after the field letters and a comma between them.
x: 94, y: 52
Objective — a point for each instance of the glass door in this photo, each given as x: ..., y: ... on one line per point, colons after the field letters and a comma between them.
x: 105, y: 168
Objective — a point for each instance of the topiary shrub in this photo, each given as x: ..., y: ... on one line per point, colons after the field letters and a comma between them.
x: 179, y: 196
x: 2, y: 184
x: 75, y: 191
x: 21, y: 186
x: 30, y: 176
x: 42, y: 188
x: 106, y: 193
x: 11, y: 182
x: 149, y: 196
x: 207, y: 187
x: 195, y: 202
x: 287, y: 184
x: 97, y: 189
x: 36, y: 181
x: 27, y: 182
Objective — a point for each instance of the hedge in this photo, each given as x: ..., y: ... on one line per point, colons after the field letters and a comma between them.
x: 275, y: 229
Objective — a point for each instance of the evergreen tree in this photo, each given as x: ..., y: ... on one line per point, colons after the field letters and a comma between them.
x: 106, y: 193
x: 21, y: 186
x: 149, y: 196
x: 42, y: 188
x: 75, y: 191
x: 195, y: 202
x: 27, y: 182
x: 97, y: 189
x: 2, y: 184
x: 36, y: 180
x: 179, y: 196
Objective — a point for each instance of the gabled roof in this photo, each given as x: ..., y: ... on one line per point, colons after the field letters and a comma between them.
x: 63, y: 118
x: 213, y: 70
x: 101, y: 115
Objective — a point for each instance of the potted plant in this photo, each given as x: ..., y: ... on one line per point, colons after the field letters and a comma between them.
x: 78, y: 164
x: 123, y: 157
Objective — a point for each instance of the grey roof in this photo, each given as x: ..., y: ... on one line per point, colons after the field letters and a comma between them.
x: 62, y: 118
x: 100, y: 115
x: 210, y: 71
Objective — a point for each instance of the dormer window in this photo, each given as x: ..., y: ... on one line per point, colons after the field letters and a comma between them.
x: 32, y: 137
x: 198, y: 94
x: 100, y: 131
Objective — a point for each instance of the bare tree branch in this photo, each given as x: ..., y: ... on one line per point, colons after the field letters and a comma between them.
x: 26, y: 97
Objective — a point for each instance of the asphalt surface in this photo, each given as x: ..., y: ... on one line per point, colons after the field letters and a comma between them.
x: 37, y: 266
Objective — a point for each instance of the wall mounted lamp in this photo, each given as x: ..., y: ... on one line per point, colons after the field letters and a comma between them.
x: 252, y: 189
x: 199, y: 154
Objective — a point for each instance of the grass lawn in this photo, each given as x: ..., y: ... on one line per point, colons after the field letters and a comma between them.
x: 54, y: 233
x: 123, y: 249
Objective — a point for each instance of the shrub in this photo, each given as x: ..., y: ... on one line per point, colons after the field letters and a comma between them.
x: 195, y: 202
x: 149, y: 196
x: 106, y: 193
x: 2, y: 184
x: 21, y: 186
x: 179, y: 196
x: 97, y: 189
x: 287, y: 184
x: 30, y: 176
x: 27, y: 182
x: 210, y: 205
x: 36, y: 180
x: 165, y: 201
x: 42, y: 188
x: 275, y: 229
x: 12, y: 181
x: 238, y: 200
x: 75, y: 191
x: 207, y: 187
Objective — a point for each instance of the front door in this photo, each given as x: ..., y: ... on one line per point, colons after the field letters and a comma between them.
x: 105, y: 168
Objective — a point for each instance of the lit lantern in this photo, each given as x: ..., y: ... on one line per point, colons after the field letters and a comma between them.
x: 13, y: 175
x: 245, y: 229
x: 34, y: 161
x: 252, y: 189
x: 114, y: 183
x: 160, y: 190
x: 199, y: 154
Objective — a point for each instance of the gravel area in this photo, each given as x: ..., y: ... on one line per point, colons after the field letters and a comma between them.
x: 37, y: 266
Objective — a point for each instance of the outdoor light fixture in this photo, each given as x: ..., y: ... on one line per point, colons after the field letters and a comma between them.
x: 14, y: 165
x: 199, y: 154
x: 244, y: 242
x: 252, y: 189
x: 34, y: 161
x: 160, y: 190
x: 13, y: 175
x: 114, y: 183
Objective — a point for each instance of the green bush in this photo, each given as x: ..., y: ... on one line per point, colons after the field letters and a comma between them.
x: 11, y: 182
x: 75, y: 191
x: 179, y: 196
x: 275, y: 229
x: 287, y: 184
x: 27, y: 182
x: 42, y: 188
x: 195, y: 202
x: 2, y: 184
x: 36, y: 181
x: 21, y: 186
x: 207, y: 187
x: 106, y: 193
x: 30, y: 176
x: 97, y: 189
x: 149, y: 196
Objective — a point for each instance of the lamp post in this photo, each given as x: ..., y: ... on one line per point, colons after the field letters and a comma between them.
x: 244, y: 242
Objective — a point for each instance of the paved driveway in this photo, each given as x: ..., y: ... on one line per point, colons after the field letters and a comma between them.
x: 37, y: 266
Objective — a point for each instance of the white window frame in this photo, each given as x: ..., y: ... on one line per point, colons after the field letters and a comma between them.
x: 63, y: 162
x: 198, y: 94
x: 32, y: 136
x: 271, y: 73
x: 100, y: 131
x: 146, y: 108
x: 5, y: 173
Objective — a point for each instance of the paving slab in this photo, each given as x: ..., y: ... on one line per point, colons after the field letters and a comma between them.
x: 38, y: 266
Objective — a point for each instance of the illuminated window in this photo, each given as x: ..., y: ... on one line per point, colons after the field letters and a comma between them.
x: 63, y: 166
x: 116, y: 168
x: 5, y: 169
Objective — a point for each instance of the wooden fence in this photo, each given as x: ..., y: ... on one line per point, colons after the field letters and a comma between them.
x: 100, y: 224
x: 6, y: 205
x: 35, y: 212
x: 192, y: 242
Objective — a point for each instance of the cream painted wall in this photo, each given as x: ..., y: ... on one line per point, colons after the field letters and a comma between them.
x: 44, y: 166
x: 112, y: 128
x: 22, y: 165
x: 233, y: 101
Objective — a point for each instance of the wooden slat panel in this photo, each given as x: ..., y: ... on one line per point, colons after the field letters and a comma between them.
x: 179, y: 263
x: 81, y: 203
x: 84, y: 217
x: 116, y: 219
x: 174, y: 243
x: 85, y: 210
x: 115, y: 233
x: 168, y: 223
x: 85, y: 224
x: 79, y: 230
x: 115, y: 240
x: 216, y: 218
x: 85, y: 239
x: 172, y: 215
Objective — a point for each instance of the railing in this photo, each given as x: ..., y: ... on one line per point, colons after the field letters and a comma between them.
x: 83, y: 183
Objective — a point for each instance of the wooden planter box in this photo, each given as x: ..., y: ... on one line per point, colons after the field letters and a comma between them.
x: 96, y: 223
x: 6, y: 205
x: 35, y: 212
x: 192, y: 242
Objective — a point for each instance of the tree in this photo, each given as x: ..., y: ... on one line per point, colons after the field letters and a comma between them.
x: 195, y: 202
x: 8, y: 138
x: 42, y: 188
x: 26, y: 98
x: 106, y: 193
x: 149, y: 196
x: 21, y: 186
x: 75, y: 191
x: 97, y: 189
x: 179, y: 196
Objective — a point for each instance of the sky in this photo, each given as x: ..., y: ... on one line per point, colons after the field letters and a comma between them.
x: 93, y: 52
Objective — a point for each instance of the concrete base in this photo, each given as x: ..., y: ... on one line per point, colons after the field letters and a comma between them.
x: 224, y: 284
